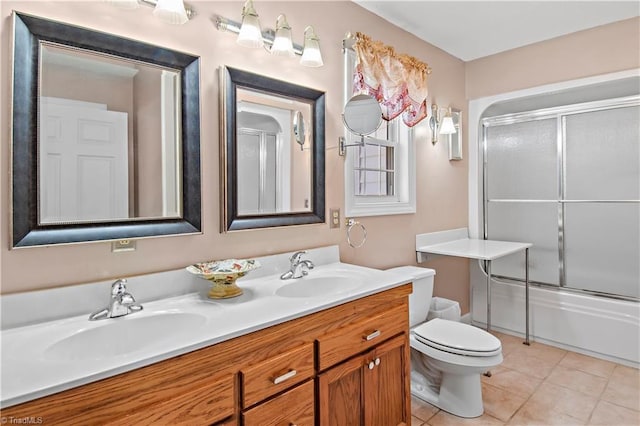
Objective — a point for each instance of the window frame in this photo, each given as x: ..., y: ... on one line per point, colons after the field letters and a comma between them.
x: 403, y: 201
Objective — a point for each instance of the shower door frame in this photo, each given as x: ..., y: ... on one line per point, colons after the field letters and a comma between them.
x: 559, y: 114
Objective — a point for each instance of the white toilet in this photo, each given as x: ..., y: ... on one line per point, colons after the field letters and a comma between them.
x: 447, y: 357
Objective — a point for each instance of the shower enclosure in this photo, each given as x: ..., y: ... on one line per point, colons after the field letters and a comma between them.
x: 567, y: 179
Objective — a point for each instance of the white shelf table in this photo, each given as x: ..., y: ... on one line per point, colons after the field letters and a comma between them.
x: 457, y: 243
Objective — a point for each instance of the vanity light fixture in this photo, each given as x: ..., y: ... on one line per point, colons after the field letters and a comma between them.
x: 125, y: 4
x: 311, y: 56
x: 442, y: 126
x: 282, y: 44
x: 278, y: 42
x: 170, y: 11
x: 250, y: 34
x: 447, y: 127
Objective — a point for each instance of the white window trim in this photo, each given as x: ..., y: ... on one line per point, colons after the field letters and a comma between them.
x: 404, y: 200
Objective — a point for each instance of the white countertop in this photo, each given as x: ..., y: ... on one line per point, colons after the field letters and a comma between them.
x: 29, y: 371
x: 474, y: 248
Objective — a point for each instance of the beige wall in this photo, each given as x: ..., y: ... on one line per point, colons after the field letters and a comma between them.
x: 601, y: 50
x: 441, y: 185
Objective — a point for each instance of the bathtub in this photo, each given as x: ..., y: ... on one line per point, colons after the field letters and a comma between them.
x: 592, y: 325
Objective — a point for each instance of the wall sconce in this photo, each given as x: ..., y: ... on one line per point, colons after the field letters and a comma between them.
x: 438, y: 126
x: 170, y: 11
x: 276, y: 42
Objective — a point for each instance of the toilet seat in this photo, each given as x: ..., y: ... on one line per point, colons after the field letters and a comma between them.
x: 457, y: 338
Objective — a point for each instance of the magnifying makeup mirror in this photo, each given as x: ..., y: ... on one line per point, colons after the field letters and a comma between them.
x: 362, y: 116
x: 298, y: 129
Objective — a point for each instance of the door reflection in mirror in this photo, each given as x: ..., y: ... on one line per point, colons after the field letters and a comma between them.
x: 108, y: 138
x: 273, y: 173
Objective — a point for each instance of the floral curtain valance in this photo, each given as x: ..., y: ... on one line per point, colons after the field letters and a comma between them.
x: 397, y: 81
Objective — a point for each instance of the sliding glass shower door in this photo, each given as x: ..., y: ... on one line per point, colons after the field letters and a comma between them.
x: 568, y: 180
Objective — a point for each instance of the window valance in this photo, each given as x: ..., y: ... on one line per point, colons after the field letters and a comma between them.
x: 397, y: 81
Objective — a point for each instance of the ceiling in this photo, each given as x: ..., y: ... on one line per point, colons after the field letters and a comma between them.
x: 473, y: 29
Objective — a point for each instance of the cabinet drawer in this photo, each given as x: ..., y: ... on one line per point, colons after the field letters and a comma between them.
x: 354, y: 338
x: 294, y: 407
x: 207, y: 403
x: 277, y: 374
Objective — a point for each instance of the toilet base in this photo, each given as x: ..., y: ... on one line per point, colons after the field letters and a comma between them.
x: 460, y: 395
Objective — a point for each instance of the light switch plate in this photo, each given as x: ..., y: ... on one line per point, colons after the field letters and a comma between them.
x: 334, y: 218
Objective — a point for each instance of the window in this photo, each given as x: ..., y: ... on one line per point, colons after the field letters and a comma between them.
x: 379, y: 176
x: 374, y: 166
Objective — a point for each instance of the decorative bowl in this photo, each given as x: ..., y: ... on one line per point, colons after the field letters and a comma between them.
x: 222, y: 274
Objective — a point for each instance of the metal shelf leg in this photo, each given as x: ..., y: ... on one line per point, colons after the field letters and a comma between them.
x: 526, y: 296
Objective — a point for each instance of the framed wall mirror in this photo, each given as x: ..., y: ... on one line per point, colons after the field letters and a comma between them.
x: 106, y: 136
x: 272, y: 152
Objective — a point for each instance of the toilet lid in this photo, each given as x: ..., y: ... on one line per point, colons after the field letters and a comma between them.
x: 458, y: 338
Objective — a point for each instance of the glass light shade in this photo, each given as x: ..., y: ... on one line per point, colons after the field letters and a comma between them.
x: 125, y: 4
x: 171, y: 11
x: 282, y: 44
x: 250, y: 32
x: 447, y: 127
x: 311, y: 55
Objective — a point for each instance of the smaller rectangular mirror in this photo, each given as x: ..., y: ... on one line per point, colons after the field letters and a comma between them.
x: 274, y: 161
x: 455, y: 139
x: 272, y: 152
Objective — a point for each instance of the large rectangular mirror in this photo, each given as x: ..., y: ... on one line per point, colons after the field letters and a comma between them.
x: 105, y: 136
x: 272, y: 152
x: 108, y: 142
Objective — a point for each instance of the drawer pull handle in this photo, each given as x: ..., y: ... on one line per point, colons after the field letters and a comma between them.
x: 285, y: 376
x: 371, y: 365
x: 377, y: 361
x: 372, y: 335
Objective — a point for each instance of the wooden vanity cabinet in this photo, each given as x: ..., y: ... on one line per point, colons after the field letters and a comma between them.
x: 249, y: 380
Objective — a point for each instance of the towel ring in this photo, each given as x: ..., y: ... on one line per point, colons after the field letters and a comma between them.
x: 350, y: 224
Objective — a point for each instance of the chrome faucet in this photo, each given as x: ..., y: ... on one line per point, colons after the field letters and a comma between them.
x: 299, y: 268
x: 122, y: 303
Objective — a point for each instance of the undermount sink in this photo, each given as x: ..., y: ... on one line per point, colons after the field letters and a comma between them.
x: 119, y: 336
x: 319, y: 286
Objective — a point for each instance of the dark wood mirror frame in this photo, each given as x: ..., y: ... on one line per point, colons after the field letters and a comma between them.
x: 29, y: 31
x: 231, y: 79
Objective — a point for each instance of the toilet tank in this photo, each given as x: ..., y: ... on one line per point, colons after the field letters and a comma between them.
x: 420, y: 299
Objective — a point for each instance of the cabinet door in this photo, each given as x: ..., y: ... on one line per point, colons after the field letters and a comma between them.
x: 340, y: 394
x: 386, y: 384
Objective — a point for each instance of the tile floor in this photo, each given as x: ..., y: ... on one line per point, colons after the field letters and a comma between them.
x: 543, y: 385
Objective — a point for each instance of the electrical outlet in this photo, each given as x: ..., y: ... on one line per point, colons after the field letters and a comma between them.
x: 334, y: 218
x: 123, y: 245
